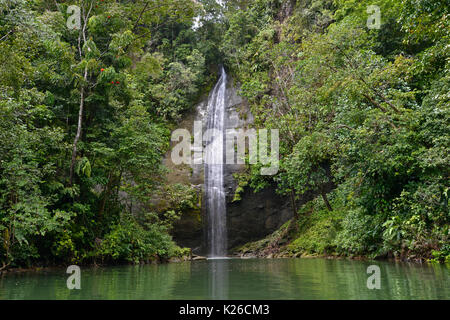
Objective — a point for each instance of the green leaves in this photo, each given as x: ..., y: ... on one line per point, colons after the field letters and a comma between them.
x: 307, y: 168
x: 83, y: 167
x: 120, y: 41
x: 129, y: 241
x: 90, y: 50
x: 127, y: 83
x: 361, y: 110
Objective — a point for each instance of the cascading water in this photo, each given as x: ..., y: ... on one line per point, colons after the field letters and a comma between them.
x: 214, y: 188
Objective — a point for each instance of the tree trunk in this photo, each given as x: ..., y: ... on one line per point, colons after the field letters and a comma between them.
x: 82, y: 92
x: 292, y: 229
x: 78, y: 135
x: 294, y: 205
x: 327, y: 203
x: 106, y: 195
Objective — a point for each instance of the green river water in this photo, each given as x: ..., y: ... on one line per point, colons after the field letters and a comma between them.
x: 236, y: 279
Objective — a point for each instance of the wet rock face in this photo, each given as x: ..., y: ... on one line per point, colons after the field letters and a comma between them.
x: 252, y: 218
x: 188, y: 231
x: 256, y: 216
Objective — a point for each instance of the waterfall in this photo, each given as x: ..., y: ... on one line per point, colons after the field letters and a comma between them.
x: 214, y: 187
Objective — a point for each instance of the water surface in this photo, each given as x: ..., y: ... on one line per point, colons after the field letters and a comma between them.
x: 236, y: 279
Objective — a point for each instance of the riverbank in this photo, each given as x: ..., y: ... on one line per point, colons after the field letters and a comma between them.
x: 315, y: 237
x: 158, y: 260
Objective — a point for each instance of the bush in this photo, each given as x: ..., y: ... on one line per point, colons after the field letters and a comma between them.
x: 317, y: 227
x: 131, y: 242
x: 361, y: 234
x: 317, y: 233
x: 442, y: 255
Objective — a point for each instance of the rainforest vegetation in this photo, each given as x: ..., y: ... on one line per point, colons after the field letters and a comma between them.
x: 86, y: 115
x: 363, y: 117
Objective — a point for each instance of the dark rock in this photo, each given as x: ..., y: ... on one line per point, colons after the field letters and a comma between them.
x: 272, y: 222
x: 188, y: 231
x: 246, y: 222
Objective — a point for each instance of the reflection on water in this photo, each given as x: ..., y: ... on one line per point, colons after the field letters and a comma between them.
x: 218, y: 278
x: 236, y: 279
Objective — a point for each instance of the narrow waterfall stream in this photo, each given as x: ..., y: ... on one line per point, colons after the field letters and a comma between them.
x: 214, y: 159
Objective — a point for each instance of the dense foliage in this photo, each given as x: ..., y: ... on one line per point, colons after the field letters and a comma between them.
x: 86, y: 114
x: 363, y: 117
x: 85, y: 118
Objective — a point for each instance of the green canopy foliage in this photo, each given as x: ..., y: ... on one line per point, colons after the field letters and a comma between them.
x: 362, y: 113
x: 105, y: 93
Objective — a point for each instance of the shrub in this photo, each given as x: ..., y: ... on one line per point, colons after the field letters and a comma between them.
x: 131, y: 242
x: 442, y: 255
x: 360, y: 234
x: 318, y: 233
